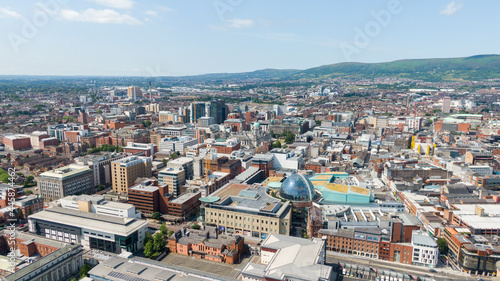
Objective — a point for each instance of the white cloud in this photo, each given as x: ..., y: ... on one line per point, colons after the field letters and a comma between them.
x: 166, y: 9
x: 6, y: 13
x: 151, y: 13
x: 451, y: 9
x: 239, y: 23
x: 118, y: 4
x: 99, y: 16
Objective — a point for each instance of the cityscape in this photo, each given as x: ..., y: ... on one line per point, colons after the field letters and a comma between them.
x: 155, y: 141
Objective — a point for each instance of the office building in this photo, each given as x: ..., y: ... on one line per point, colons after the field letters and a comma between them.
x: 173, y: 178
x: 247, y: 210
x: 68, y: 180
x: 147, y: 149
x: 425, y: 249
x: 184, y: 205
x: 125, y: 171
x: 92, y: 231
x: 177, y: 144
x: 218, y: 111
x: 185, y: 163
x: 36, y: 137
x: 16, y: 141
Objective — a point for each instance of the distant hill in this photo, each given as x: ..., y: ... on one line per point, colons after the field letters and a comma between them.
x: 440, y: 69
x: 447, y: 69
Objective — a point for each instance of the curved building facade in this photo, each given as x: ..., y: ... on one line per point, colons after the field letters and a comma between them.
x: 297, y: 188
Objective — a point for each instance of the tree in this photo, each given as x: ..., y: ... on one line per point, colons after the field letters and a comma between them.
x: 158, y: 242
x: 84, y: 270
x: 289, y: 138
x: 146, y: 123
x: 165, y: 161
x: 29, y: 192
x: 163, y: 229
x: 156, y: 216
x: 277, y: 144
x: 170, y: 233
x: 318, y: 122
x: 149, y: 237
x: 195, y: 226
x: 442, y: 245
x: 149, y: 248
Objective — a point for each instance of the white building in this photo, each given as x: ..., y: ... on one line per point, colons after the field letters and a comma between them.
x: 98, y: 205
x: 425, y: 249
x: 177, y: 144
x: 289, y: 258
x: 412, y: 123
x: 287, y: 159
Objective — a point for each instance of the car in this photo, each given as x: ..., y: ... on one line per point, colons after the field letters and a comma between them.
x: 21, y: 225
x: 432, y: 270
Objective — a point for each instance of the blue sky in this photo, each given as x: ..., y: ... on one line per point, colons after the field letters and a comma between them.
x: 185, y: 37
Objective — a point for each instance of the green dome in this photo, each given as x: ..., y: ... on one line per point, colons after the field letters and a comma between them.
x: 256, y: 125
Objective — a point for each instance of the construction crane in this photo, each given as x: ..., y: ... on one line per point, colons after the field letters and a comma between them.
x: 209, y: 144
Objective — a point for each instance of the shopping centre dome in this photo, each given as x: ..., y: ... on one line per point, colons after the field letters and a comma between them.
x: 297, y: 188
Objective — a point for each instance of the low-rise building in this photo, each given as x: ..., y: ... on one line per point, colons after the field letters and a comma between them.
x: 289, y: 258
x: 207, y: 244
x: 68, y: 180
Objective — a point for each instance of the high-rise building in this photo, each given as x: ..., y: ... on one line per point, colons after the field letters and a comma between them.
x: 197, y: 110
x: 173, y: 178
x: 218, y: 111
x: 125, y: 171
x: 134, y: 92
x: 58, y: 183
x: 446, y: 104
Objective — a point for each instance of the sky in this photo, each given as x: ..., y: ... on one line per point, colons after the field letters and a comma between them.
x: 189, y: 37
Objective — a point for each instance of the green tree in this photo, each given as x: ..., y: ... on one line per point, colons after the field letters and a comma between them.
x: 163, y: 229
x: 146, y: 123
x: 442, y: 245
x: 158, y: 242
x: 277, y: 144
x: 195, y: 226
x: 165, y: 161
x: 29, y: 192
x: 84, y: 270
x: 170, y: 233
x: 156, y: 216
x: 149, y: 248
x: 289, y: 138
x: 149, y: 237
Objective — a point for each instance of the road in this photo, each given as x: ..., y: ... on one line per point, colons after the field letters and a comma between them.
x: 361, y: 267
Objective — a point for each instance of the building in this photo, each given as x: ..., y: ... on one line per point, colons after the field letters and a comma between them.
x: 474, y: 158
x: 205, y: 122
x: 29, y: 204
x: 173, y: 178
x: 125, y: 171
x: 186, y: 163
x: 218, y: 111
x: 68, y: 180
x: 425, y: 249
x: 290, y: 258
x: 148, y: 149
x: 227, y: 146
x: 92, y: 231
x: 177, y: 144
x: 100, y: 165
x: 36, y: 137
x: 287, y: 159
x: 42, y: 259
x: 16, y: 141
x: 247, y: 210
x: 446, y: 105
x: 184, y: 205
x: 144, y: 196
x: 8, y: 192
x: 141, y: 269
x: 207, y: 244
x: 97, y: 204
x: 134, y: 92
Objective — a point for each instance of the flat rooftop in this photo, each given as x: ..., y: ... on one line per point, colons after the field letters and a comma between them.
x: 97, y: 222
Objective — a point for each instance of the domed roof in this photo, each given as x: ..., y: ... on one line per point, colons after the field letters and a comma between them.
x: 297, y: 188
x: 256, y: 124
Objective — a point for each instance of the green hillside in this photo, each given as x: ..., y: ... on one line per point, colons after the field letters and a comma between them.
x: 451, y: 69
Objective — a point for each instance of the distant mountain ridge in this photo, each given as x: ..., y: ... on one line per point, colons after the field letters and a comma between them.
x: 438, y: 69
